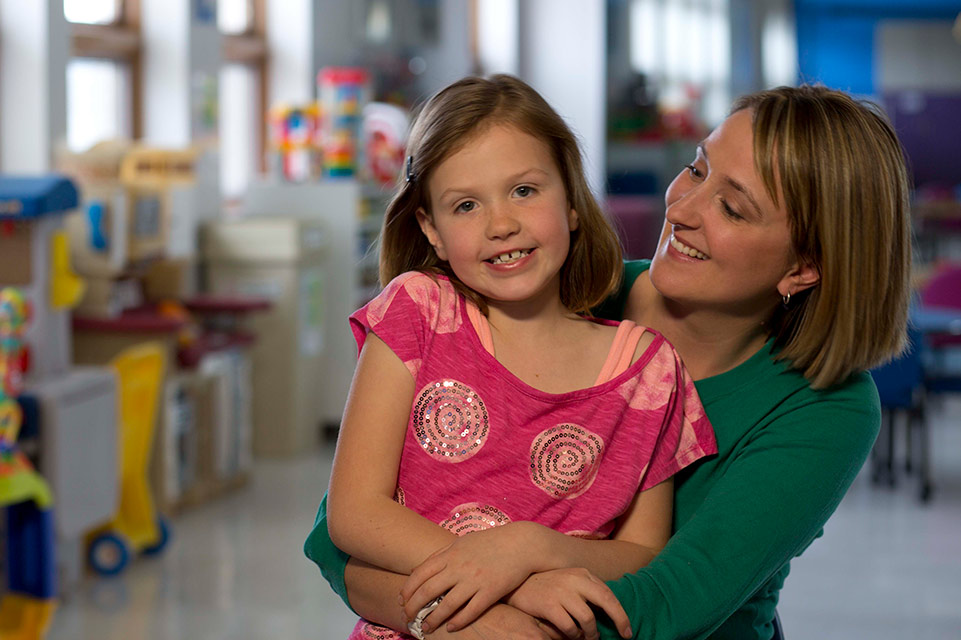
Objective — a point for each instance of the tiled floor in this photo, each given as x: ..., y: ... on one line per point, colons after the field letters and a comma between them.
x: 887, y: 568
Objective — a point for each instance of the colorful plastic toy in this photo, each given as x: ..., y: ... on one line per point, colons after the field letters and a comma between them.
x: 384, y: 136
x: 295, y: 141
x: 137, y: 525
x: 343, y: 93
x: 28, y: 606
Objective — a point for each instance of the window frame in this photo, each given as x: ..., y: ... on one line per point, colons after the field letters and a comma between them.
x: 121, y: 41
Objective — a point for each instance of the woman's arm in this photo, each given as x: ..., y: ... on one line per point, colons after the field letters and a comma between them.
x: 363, y: 518
x: 472, y: 568
x: 771, y: 498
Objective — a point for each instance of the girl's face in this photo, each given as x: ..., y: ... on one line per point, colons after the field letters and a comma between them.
x: 499, y: 215
x: 725, y: 244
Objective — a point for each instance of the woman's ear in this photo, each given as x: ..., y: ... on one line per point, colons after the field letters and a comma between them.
x: 430, y: 231
x: 801, y: 277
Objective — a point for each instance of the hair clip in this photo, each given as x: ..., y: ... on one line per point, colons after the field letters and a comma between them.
x: 409, y: 169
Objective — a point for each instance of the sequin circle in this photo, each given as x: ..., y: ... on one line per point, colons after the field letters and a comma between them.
x: 450, y: 421
x: 376, y: 632
x: 400, y: 497
x: 474, y: 516
x: 565, y: 460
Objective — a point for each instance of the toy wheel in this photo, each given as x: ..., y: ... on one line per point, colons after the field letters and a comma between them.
x: 163, y: 529
x: 108, y: 554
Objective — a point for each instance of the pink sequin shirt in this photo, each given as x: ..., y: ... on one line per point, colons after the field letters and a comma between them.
x: 483, y: 448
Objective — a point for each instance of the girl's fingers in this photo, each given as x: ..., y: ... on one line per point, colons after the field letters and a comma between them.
x: 434, y: 586
x: 480, y: 603
x: 426, y: 570
x: 562, y: 621
x: 453, y: 600
x: 603, y: 597
x: 581, y: 612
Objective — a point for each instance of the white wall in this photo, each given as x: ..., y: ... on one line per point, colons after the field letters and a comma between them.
x: 34, y: 41
x: 562, y: 55
x: 921, y: 55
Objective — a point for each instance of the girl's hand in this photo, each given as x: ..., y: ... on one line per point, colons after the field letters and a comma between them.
x: 498, y: 622
x: 474, y: 571
x: 563, y: 598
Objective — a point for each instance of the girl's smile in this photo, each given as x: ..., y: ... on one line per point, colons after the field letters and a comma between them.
x: 499, y: 215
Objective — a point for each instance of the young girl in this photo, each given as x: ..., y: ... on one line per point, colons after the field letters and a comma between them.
x: 484, y: 401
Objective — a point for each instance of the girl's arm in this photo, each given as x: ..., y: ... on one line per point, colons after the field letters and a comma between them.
x: 363, y: 518
x: 373, y: 594
x: 471, y: 569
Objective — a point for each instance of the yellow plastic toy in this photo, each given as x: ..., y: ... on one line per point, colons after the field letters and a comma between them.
x: 137, y: 525
x: 24, y: 617
x: 66, y: 288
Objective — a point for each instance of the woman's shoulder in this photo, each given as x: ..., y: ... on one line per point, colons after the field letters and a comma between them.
x: 613, y: 306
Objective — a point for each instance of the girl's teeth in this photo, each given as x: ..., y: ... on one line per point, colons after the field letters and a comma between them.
x: 509, y: 257
x: 686, y: 250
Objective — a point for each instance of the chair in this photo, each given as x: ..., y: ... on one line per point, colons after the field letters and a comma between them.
x: 900, y: 386
x: 943, y: 289
x: 778, y: 631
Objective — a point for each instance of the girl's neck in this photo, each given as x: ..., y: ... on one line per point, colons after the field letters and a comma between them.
x: 543, y: 318
x: 709, y: 342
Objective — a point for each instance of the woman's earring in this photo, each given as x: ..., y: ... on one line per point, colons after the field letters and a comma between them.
x: 786, y: 299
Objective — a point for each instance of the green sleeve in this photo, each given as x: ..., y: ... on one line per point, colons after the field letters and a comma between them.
x: 331, y: 560
x: 762, y: 506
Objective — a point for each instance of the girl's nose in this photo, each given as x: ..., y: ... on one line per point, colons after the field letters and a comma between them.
x: 501, y: 222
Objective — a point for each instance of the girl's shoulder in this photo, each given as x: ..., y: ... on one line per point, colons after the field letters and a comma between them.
x: 426, y: 289
x: 432, y: 296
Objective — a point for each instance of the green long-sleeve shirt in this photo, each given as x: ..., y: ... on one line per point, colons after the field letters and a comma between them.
x: 786, y: 456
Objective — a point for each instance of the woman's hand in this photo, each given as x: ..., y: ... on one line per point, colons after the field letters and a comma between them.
x: 563, y: 597
x: 474, y: 572
x: 499, y: 622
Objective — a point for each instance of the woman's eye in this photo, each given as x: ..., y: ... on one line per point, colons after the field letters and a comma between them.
x: 466, y: 206
x: 694, y: 171
x: 729, y: 211
x: 523, y: 191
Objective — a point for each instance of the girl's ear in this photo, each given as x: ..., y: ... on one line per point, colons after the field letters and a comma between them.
x: 430, y: 231
x: 572, y: 221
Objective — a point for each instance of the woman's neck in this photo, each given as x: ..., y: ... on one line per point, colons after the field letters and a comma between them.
x: 709, y: 342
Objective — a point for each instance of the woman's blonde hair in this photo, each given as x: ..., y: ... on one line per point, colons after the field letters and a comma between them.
x: 841, y: 170
x: 444, y: 125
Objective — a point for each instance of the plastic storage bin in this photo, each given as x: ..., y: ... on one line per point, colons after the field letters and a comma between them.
x: 280, y: 259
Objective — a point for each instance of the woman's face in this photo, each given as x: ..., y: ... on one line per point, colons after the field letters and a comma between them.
x: 725, y: 245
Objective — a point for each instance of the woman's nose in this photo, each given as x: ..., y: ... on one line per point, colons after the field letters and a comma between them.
x: 685, y: 204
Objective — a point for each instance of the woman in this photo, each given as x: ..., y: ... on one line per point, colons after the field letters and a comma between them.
x: 781, y: 276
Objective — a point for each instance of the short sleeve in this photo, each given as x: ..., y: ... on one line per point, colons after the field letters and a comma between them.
x: 406, y: 314
x: 686, y: 434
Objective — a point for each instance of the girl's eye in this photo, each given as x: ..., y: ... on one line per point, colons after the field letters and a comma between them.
x: 524, y: 191
x: 466, y: 207
x: 694, y: 171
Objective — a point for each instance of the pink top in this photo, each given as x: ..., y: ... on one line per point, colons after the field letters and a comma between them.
x: 483, y: 448
x: 481, y: 441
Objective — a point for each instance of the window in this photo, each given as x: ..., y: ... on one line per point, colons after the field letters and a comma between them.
x: 92, y: 11
x: 235, y: 17
x: 243, y: 93
x: 683, y: 47
x: 103, y: 74
x: 97, y: 107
